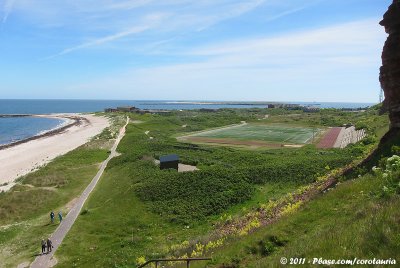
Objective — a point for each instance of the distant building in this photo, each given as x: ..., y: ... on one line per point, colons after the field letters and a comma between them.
x: 110, y: 110
x: 287, y: 106
x: 353, y: 109
x: 311, y: 109
x: 160, y: 112
x: 132, y: 109
x: 205, y: 110
x: 169, y: 161
x: 127, y: 109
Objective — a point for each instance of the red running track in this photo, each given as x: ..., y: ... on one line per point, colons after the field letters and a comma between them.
x: 330, y: 138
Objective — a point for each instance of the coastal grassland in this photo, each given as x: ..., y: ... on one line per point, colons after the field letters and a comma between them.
x: 24, y: 210
x: 138, y: 210
x: 350, y: 221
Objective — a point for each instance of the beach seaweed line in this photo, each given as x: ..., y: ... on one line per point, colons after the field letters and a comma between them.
x: 76, y: 122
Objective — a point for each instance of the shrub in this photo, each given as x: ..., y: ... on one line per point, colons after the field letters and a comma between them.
x: 140, y: 260
x: 267, y: 246
x: 183, y: 197
x: 390, y: 173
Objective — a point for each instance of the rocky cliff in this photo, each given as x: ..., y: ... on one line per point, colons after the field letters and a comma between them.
x: 390, y: 70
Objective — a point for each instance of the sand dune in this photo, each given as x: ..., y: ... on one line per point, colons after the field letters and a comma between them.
x: 21, y: 159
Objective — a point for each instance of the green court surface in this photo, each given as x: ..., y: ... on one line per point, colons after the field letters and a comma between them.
x: 267, y: 133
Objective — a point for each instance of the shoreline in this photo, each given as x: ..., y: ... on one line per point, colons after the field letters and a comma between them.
x: 23, y: 157
x: 76, y: 120
x: 14, y: 115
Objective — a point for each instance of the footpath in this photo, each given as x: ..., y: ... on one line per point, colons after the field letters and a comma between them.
x: 46, y: 260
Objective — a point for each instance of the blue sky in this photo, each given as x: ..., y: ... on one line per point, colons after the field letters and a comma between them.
x: 261, y: 50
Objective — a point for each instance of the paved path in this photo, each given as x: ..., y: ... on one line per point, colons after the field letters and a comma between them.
x: 44, y: 261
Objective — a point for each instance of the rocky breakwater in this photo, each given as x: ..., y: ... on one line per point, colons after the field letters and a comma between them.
x: 390, y: 70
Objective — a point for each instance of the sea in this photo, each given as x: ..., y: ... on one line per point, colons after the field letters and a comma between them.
x: 14, y: 129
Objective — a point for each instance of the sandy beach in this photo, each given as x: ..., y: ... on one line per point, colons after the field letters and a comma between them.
x: 21, y: 159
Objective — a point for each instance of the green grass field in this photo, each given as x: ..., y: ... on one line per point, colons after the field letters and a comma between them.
x: 268, y: 133
x: 138, y: 211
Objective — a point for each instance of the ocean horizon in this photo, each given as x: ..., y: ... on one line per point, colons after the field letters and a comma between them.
x: 48, y: 106
x: 20, y: 128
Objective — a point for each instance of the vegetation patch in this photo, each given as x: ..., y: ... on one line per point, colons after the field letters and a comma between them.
x: 185, y: 197
x: 390, y: 174
x: 142, y: 212
x: 351, y: 221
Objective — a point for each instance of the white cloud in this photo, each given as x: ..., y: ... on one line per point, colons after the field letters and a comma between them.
x: 331, y: 59
x: 103, y: 40
x: 150, y: 21
x: 344, y: 35
x: 126, y: 5
x: 231, y: 11
x: 346, y: 41
x: 104, y: 21
x: 7, y: 9
x: 94, y: 11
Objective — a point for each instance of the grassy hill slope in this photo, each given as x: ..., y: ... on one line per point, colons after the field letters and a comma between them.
x: 139, y: 212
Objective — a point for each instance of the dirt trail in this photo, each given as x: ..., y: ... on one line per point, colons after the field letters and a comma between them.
x: 47, y: 260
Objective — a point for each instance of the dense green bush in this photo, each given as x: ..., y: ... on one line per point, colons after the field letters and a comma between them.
x: 183, y: 197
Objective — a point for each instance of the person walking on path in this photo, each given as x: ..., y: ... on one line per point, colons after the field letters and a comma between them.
x: 46, y: 260
x: 52, y: 217
x: 60, y: 216
x: 49, y: 245
x: 43, y: 246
